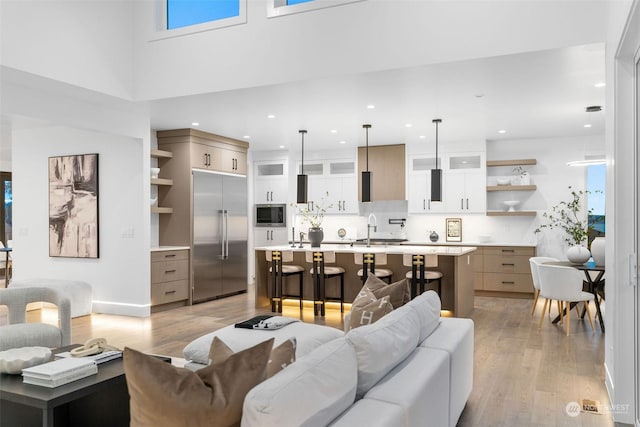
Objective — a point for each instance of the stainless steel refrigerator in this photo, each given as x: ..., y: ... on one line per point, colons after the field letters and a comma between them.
x: 219, y: 235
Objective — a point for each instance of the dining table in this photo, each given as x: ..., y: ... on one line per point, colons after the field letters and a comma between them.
x: 595, y: 285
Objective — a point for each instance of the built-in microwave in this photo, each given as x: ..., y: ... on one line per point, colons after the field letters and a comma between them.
x: 271, y: 215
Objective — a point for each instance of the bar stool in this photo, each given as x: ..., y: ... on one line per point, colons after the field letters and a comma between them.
x: 369, y: 260
x: 278, y: 270
x: 418, y: 274
x: 320, y: 272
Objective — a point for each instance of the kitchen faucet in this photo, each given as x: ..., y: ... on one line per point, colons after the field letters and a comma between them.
x: 369, y: 227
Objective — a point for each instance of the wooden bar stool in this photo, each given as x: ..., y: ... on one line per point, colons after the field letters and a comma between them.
x: 278, y: 270
x: 369, y: 260
x: 418, y: 275
x: 320, y: 272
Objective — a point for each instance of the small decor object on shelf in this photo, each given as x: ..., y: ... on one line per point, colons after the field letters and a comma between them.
x: 503, y: 181
x: 524, y: 177
x: 511, y: 205
x: 314, y: 215
x: 433, y: 236
x: 155, y: 172
x: 454, y: 229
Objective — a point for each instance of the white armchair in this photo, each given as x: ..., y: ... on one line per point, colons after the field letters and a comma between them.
x: 19, y: 333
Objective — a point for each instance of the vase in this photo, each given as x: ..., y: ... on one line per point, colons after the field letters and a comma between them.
x: 434, y: 236
x: 315, y: 236
x: 525, y: 179
x: 578, y: 254
x: 597, y: 250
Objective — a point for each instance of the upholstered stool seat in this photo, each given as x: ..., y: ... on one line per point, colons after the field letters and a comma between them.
x: 330, y: 271
x: 419, y: 275
x: 320, y: 271
x: 428, y: 275
x: 278, y: 271
x: 289, y: 269
x: 382, y: 273
x: 371, y: 261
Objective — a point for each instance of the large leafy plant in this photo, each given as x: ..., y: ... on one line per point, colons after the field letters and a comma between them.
x: 567, y: 217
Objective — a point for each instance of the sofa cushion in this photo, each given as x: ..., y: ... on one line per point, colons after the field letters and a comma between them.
x: 427, y: 305
x: 308, y: 337
x: 399, y: 292
x: 311, y: 392
x: 371, y: 413
x: 281, y: 356
x: 29, y: 335
x: 420, y: 385
x: 370, y: 313
x: 382, y: 345
x: 162, y: 394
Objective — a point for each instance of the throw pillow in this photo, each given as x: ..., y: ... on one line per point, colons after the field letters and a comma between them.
x: 164, y: 395
x: 399, y: 292
x: 281, y: 356
x: 370, y: 313
x: 364, y: 298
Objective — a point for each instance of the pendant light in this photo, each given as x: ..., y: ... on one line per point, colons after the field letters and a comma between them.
x: 366, y: 175
x: 302, y: 178
x: 436, y: 174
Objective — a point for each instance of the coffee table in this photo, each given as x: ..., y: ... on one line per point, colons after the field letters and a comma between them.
x: 96, y: 401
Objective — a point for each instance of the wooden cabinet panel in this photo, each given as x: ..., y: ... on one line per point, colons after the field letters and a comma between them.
x: 508, y: 282
x: 506, y: 264
x: 169, y: 276
x: 169, y: 255
x: 167, y: 271
x: 510, y: 250
x: 506, y: 269
x: 166, y: 292
x: 387, y: 166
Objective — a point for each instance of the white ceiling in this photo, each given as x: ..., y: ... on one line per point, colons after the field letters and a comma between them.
x: 530, y: 95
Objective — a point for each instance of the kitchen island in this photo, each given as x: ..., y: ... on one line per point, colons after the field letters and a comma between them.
x: 453, y: 261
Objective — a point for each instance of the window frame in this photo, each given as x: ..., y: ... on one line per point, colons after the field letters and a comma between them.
x: 274, y: 11
x: 161, y: 31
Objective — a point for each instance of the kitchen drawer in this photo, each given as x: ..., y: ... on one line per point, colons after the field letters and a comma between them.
x: 508, y: 282
x: 167, y: 271
x: 162, y: 293
x: 510, y: 250
x: 506, y: 264
x: 169, y: 255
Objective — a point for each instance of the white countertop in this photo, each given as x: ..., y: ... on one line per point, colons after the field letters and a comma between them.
x: 389, y: 249
x: 169, y: 248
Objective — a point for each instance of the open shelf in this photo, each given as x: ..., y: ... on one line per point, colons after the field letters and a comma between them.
x: 161, y: 210
x: 161, y: 154
x: 516, y: 213
x: 161, y: 181
x: 516, y: 162
x: 511, y: 187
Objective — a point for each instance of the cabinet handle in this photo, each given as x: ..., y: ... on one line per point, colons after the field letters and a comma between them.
x: 170, y: 271
x: 169, y: 292
x: 505, y: 265
x: 267, y: 234
x: 461, y: 203
x: 271, y: 234
x: 508, y: 283
x: 205, y: 158
x: 429, y: 204
x: 267, y: 196
x: 467, y: 203
x: 344, y: 205
x: 170, y: 255
x: 271, y: 193
x: 424, y: 204
x: 508, y: 250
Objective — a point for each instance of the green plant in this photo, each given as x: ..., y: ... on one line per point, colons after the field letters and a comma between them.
x: 315, y: 215
x: 565, y: 216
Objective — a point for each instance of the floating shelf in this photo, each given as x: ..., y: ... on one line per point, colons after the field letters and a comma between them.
x: 161, y: 181
x: 516, y: 162
x: 161, y: 210
x: 511, y: 187
x: 516, y: 213
x: 161, y: 154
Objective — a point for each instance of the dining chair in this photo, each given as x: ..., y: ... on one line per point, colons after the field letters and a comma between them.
x: 533, y: 263
x: 563, y: 284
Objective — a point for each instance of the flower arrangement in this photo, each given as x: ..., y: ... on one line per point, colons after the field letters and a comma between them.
x: 315, y: 215
x: 565, y: 216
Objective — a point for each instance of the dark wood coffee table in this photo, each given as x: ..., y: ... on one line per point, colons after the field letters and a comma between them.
x: 96, y: 401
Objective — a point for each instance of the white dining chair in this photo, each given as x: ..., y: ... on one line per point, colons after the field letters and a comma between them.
x: 563, y: 284
x: 533, y: 263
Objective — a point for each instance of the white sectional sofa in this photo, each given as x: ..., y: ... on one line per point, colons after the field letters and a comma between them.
x: 410, y: 368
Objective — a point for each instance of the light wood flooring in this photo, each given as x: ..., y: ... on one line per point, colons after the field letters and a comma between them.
x: 523, y: 376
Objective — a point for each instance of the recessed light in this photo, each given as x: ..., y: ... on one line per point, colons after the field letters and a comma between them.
x: 246, y: 137
x: 600, y: 84
x: 333, y: 131
x: 371, y: 107
x: 502, y: 131
x: 195, y: 124
x: 271, y: 116
x: 408, y: 125
x: 282, y: 146
x: 422, y: 137
x: 588, y: 125
x: 342, y: 142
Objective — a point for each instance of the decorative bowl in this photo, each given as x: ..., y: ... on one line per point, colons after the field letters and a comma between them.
x: 14, y: 360
x: 511, y: 204
x: 504, y: 181
x: 153, y: 201
x: 155, y: 172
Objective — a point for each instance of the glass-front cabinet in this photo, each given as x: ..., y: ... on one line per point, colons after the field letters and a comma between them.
x: 332, y: 184
x: 271, y: 181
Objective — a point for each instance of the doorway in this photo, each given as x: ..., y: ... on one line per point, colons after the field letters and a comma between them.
x: 6, y: 205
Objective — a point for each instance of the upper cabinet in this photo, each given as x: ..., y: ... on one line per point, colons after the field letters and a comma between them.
x: 387, y: 167
x: 419, y: 184
x: 271, y: 183
x: 333, y: 182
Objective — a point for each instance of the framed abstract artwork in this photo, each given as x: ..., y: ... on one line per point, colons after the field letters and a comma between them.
x: 454, y: 229
x: 73, y: 206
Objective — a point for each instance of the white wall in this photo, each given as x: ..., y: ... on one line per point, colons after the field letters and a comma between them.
x: 358, y: 37
x: 120, y: 275
x: 84, y: 43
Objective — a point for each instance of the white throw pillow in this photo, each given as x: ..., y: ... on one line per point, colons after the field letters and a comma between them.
x: 427, y: 305
x: 382, y: 345
x: 308, y: 393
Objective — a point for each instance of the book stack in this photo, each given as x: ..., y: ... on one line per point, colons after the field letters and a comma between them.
x: 59, y: 372
x: 99, y: 358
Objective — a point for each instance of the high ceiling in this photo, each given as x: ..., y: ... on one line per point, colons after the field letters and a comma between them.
x: 529, y: 95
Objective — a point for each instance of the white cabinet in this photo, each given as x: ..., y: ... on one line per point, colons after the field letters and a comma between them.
x: 464, y: 183
x: 271, y: 236
x: 270, y: 181
x: 335, y: 182
x: 419, y: 185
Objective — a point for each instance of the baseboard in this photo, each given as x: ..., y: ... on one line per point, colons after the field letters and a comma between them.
x: 134, y: 310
